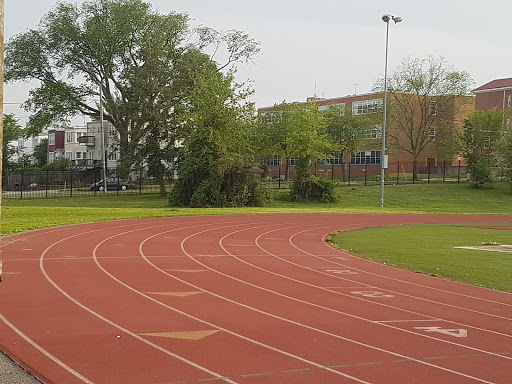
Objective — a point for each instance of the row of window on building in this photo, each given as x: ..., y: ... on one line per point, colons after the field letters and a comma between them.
x: 359, y: 158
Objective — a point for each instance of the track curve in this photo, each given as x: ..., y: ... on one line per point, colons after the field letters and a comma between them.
x: 242, y: 299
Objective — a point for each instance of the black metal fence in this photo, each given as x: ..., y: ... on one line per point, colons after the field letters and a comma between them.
x: 72, y: 183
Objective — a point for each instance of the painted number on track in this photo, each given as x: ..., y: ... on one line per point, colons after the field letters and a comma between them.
x: 342, y: 271
x: 451, y: 332
x: 371, y: 294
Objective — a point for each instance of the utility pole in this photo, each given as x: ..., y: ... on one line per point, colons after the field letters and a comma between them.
x: 1, y: 109
x: 103, y: 152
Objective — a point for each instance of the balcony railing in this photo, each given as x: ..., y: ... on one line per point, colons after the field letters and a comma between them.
x: 86, y: 140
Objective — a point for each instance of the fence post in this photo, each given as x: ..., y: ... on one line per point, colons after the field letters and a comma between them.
x: 398, y: 172
x: 279, y: 176
x: 365, y: 170
x: 428, y: 177
x: 71, y: 184
x: 444, y: 170
x: 332, y: 170
x: 21, y: 184
x: 47, y: 183
x: 140, y: 181
x: 349, y: 169
x: 458, y: 173
x: 414, y: 168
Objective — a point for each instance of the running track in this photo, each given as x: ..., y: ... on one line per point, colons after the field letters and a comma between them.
x: 242, y: 299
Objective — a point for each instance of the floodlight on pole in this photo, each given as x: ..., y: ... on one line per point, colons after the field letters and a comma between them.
x: 383, y: 157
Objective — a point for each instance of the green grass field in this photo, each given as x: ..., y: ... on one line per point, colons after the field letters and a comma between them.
x: 428, y: 249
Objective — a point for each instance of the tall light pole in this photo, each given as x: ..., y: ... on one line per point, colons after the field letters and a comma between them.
x: 383, y: 156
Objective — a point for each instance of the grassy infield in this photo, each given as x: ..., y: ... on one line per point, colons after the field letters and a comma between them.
x: 423, y: 248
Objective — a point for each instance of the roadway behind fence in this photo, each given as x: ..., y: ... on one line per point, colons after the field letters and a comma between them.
x: 49, y: 184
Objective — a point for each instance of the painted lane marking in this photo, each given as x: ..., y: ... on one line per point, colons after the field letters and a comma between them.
x: 186, y: 335
x: 298, y: 370
x: 187, y: 270
x: 447, y: 331
x: 257, y: 374
x: 302, y: 301
x: 342, y: 271
x: 334, y: 366
x: 398, y: 293
x: 44, y: 352
x: 174, y: 294
x: 215, y: 379
x: 437, y: 358
x: 373, y: 363
x: 141, y: 245
x: 376, y: 294
x: 104, y: 319
x: 406, y: 321
x: 404, y: 361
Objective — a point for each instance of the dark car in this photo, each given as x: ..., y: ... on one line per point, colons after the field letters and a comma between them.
x: 112, y: 184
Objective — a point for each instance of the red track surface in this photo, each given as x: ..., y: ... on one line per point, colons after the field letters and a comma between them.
x: 242, y: 299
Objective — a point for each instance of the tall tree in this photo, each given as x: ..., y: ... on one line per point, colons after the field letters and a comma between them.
x: 78, y: 49
x: 481, y: 144
x: 216, y: 167
x: 425, y: 96
x: 12, y: 131
x: 348, y: 131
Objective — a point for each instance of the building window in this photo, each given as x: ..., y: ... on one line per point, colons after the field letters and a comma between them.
x: 291, y: 161
x: 112, y: 156
x: 340, y: 106
x: 509, y: 101
x: 336, y: 159
x: 271, y: 117
x: 431, y: 162
x: 78, y: 135
x: 51, y: 139
x: 51, y: 157
x: 487, y: 142
x: 69, y: 155
x: 375, y: 133
x: 69, y: 137
x: 274, y: 160
x: 79, y: 155
x: 112, y: 131
x: 433, y: 108
x: 363, y: 107
x: 365, y: 157
x: 432, y: 134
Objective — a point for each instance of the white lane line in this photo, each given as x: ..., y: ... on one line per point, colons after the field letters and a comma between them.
x: 398, y: 293
x: 45, y: 352
x: 288, y: 354
x: 384, y: 289
x: 309, y: 327
x: 390, y: 291
x: 111, y: 323
x: 406, y: 321
x: 347, y: 254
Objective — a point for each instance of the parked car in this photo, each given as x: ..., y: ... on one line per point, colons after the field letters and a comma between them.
x: 112, y: 184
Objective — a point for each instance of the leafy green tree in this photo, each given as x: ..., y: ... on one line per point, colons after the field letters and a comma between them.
x: 424, y: 97
x: 479, y: 144
x: 12, y: 131
x: 504, y: 147
x: 41, y: 153
x: 79, y: 49
x: 348, y: 131
x: 216, y: 167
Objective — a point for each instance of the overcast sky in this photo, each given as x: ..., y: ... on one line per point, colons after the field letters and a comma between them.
x: 332, y: 47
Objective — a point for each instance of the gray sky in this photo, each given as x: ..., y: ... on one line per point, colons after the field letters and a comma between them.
x: 329, y: 46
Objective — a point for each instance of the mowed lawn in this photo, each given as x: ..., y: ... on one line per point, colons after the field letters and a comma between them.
x: 432, y: 249
x: 426, y: 249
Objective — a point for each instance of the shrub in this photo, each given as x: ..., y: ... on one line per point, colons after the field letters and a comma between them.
x: 315, y: 189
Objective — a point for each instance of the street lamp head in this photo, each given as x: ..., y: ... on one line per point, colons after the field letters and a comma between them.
x: 387, y: 17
